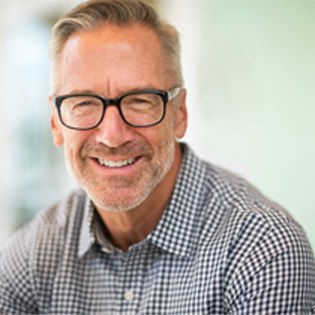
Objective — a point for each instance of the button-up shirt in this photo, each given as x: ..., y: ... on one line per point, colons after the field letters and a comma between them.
x: 219, y: 248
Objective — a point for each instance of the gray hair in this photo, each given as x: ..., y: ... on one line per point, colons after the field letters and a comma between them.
x: 90, y: 14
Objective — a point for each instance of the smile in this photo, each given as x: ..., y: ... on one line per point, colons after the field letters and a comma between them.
x: 116, y: 164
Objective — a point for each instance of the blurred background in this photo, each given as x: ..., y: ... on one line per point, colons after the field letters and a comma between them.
x: 249, y: 68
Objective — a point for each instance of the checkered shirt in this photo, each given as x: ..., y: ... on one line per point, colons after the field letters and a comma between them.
x: 219, y: 248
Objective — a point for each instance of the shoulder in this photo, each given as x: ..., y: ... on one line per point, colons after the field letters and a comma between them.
x: 48, y: 227
x: 54, y: 219
x: 240, y: 200
x: 243, y: 220
x: 259, y: 244
x: 34, y: 250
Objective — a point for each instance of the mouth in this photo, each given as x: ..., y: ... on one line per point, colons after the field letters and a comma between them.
x: 116, y: 164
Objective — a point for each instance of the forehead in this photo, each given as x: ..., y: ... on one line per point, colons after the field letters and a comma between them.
x: 113, y: 55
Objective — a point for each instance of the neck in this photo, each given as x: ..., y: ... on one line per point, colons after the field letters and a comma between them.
x: 131, y: 227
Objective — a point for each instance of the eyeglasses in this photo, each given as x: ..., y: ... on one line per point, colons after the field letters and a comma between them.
x: 142, y: 108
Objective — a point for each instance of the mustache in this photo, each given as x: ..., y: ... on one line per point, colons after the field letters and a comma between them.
x: 100, y: 149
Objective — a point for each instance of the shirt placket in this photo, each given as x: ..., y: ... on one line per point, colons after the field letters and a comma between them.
x: 132, y: 282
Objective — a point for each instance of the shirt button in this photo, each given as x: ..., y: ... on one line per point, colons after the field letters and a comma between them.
x: 129, y: 295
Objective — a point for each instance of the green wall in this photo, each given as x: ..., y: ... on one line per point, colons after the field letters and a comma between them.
x: 256, y: 64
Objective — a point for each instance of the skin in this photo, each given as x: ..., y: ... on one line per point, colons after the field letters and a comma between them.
x: 109, y: 61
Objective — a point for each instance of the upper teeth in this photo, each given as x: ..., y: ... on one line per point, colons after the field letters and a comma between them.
x: 116, y: 163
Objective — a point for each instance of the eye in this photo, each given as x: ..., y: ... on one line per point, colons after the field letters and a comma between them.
x: 135, y: 100
x: 141, y: 101
x: 81, y: 106
x: 80, y: 103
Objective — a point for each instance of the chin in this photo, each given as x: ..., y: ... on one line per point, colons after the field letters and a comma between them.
x: 122, y: 204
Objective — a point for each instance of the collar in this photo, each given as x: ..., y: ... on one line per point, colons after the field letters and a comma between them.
x: 86, y: 238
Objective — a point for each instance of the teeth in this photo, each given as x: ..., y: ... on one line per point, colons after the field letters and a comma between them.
x: 116, y: 164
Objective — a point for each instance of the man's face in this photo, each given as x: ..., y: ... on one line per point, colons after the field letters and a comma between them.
x: 119, y: 166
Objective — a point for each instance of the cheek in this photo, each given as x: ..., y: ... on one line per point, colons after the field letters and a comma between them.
x: 161, y: 131
x: 159, y: 135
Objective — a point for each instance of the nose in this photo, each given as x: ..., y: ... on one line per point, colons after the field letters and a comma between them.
x: 113, y: 131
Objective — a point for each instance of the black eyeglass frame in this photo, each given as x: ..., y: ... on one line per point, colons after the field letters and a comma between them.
x: 165, y: 95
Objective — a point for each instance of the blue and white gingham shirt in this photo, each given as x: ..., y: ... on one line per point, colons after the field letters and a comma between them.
x: 220, y: 248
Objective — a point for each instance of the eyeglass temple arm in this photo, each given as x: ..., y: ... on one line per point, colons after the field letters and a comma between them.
x: 173, y: 93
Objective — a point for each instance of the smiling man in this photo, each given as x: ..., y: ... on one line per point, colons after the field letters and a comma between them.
x: 120, y: 108
x: 152, y: 229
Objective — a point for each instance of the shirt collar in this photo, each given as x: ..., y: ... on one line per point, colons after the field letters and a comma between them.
x: 92, y: 231
x: 179, y: 227
x: 87, y: 238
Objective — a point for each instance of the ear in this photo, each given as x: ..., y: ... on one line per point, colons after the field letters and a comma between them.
x: 181, y: 116
x: 55, y: 126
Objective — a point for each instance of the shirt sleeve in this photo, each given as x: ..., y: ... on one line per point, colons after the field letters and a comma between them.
x: 16, y: 284
x: 277, y: 276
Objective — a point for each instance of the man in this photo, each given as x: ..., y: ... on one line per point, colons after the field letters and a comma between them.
x: 153, y: 229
